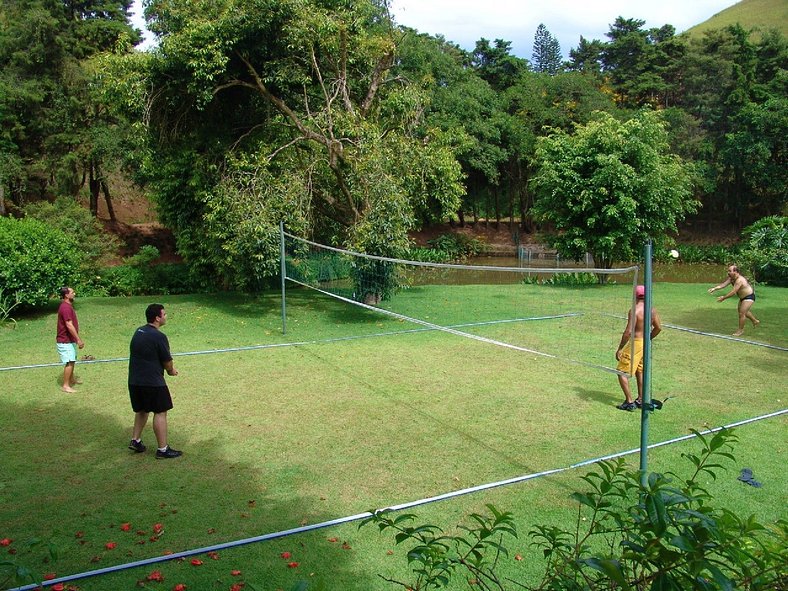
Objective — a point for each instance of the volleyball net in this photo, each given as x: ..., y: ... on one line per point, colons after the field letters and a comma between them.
x: 571, y: 313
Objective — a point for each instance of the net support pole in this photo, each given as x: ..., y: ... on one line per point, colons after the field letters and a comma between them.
x: 645, y: 410
x: 283, y: 270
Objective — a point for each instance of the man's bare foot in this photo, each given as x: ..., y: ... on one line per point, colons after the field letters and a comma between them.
x: 68, y: 389
x: 756, y: 322
x: 738, y: 333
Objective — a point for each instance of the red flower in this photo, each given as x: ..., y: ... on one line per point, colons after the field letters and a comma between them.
x: 5, y: 542
x: 179, y: 587
x: 125, y: 527
x: 155, y: 576
x: 196, y: 562
x: 213, y: 555
x: 58, y: 587
x: 333, y: 540
x: 154, y: 539
x: 235, y: 573
x: 292, y: 565
x: 49, y: 576
x: 110, y: 545
x: 285, y: 555
x: 157, y: 528
x: 236, y: 586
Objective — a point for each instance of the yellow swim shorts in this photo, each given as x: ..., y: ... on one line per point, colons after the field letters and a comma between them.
x: 625, y: 363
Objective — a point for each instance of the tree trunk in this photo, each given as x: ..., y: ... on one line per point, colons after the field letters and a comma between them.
x: 108, y: 199
x: 497, y: 199
x: 95, y: 187
x: 3, y: 211
x: 461, y: 215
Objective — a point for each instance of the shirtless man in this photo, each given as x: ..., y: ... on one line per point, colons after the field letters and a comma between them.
x: 742, y: 288
x: 624, y: 351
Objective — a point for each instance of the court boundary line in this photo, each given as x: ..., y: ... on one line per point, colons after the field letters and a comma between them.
x: 367, y: 514
x: 302, y: 343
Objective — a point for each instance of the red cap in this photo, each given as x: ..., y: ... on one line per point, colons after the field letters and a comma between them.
x: 640, y: 291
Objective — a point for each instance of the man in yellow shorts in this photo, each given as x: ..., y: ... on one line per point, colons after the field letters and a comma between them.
x: 624, y: 353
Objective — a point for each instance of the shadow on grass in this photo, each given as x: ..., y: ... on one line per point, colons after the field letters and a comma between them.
x: 607, y: 397
x: 68, y: 478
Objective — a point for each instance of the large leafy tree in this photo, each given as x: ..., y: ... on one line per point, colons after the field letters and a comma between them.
x: 46, y: 112
x: 463, y: 105
x: 610, y: 186
x: 269, y: 110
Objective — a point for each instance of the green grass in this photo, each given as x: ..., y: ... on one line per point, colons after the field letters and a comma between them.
x: 759, y: 14
x: 274, y: 438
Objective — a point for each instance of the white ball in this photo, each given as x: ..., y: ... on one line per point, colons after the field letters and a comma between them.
x: 674, y: 253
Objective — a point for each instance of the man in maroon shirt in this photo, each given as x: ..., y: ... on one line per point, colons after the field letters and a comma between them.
x: 68, y: 337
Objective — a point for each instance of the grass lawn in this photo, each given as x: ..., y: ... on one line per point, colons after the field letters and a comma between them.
x: 279, y: 437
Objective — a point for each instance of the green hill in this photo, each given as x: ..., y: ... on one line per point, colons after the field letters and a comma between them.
x: 751, y: 14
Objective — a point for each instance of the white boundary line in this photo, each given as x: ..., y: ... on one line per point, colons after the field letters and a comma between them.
x: 366, y: 514
x: 301, y: 343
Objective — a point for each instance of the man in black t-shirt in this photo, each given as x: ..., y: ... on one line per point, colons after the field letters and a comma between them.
x: 149, y: 358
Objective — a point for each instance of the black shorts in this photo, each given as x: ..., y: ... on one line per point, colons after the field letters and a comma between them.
x: 150, y: 398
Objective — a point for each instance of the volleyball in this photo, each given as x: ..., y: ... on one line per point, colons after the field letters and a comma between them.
x: 674, y: 253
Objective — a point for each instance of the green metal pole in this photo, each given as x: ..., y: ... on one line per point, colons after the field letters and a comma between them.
x: 646, y: 406
x: 282, y: 273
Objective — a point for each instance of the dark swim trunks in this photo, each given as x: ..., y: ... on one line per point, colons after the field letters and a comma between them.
x: 749, y: 297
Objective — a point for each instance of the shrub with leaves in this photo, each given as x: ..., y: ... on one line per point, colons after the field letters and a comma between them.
x: 765, y: 250
x: 71, y: 218
x: 661, y: 534
x: 36, y: 259
x: 435, y: 557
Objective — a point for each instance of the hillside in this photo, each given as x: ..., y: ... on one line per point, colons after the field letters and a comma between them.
x: 751, y: 14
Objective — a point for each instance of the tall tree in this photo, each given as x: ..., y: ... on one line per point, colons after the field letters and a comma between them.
x: 43, y: 103
x: 586, y: 57
x: 546, y: 55
x: 609, y: 187
x: 269, y: 110
x: 496, y: 64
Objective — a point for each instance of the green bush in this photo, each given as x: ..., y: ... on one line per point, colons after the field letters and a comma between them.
x: 457, y: 247
x: 70, y: 217
x: 138, y: 275
x: 691, y: 253
x: 765, y: 250
x: 35, y: 260
x: 661, y: 534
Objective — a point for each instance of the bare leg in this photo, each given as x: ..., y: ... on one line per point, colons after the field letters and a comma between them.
x: 140, y: 420
x: 624, y: 383
x: 745, y: 308
x: 68, y: 376
x: 744, y: 313
x: 639, y: 378
x: 160, y: 428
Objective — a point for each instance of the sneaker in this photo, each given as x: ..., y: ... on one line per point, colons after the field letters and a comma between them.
x: 168, y: 453
x: 137, y: 446
x: 628, y: 406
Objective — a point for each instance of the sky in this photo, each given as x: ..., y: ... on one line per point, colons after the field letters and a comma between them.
x: 466, y: 21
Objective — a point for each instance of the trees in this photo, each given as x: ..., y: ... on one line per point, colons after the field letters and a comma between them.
x: 269, y: 110
x: 546, y: 55
x: 610, y: 186
x: 46, y: 112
